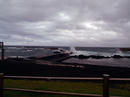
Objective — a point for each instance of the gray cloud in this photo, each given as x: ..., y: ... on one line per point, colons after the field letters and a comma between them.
x: 65, y: 22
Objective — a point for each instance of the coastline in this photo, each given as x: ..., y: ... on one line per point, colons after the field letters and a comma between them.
x: 58, y: 69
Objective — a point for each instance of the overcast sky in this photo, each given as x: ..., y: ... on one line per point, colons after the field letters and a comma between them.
x: 65, y: 22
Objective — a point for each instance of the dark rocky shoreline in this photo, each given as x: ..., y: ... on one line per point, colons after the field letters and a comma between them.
x: 31, y: 68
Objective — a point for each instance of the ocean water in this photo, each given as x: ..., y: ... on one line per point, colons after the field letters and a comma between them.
x: 40, y: 51
x: 28, y: 51
x: 101, y: 51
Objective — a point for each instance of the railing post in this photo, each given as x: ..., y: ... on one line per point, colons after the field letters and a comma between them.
x: 2, y: 51
x: 106, y: 85
x: 2, y: 54
x: 1, y: 84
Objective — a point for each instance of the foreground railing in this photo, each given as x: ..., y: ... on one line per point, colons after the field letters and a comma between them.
x: 105, y: 80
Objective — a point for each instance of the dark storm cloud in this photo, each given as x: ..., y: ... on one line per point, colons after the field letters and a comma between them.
x: 65, y: 22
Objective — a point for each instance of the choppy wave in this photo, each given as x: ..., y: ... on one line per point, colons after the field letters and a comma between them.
x: 98, y: 53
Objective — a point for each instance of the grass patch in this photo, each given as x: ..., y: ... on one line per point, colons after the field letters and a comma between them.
x: 62, y: 86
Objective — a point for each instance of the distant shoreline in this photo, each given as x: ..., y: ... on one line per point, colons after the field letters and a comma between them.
x: 65, y: 46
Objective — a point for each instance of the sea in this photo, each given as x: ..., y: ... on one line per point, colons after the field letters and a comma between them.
x: 29, y: 51
x: 41, y: 51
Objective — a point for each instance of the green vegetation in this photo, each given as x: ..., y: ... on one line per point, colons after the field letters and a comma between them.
x: 63, y: 86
